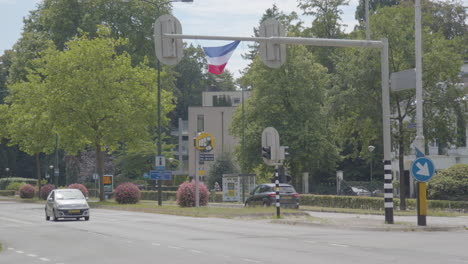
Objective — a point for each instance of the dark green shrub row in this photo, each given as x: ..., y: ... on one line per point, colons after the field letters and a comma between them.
x: 5, y: 181
x: 153, y: 195
x: 7, y: 193
x: 373, y: 203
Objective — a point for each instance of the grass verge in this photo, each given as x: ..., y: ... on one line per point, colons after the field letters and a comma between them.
x: 173, y: 209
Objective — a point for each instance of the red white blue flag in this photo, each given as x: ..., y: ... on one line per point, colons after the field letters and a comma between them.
x: 218, y: 56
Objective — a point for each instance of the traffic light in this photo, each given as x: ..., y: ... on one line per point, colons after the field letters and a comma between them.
x: 266, y: 153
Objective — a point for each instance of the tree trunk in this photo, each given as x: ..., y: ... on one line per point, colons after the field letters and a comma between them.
x: 38, y: 175
x: 100, y: 171
x: 401, y: 160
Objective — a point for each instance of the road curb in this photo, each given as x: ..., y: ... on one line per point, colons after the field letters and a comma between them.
x: 380, y: 228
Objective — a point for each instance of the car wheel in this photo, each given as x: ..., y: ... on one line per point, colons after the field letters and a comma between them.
x: 55, y: 216
x: 47, y: 218
x: 86, y: 218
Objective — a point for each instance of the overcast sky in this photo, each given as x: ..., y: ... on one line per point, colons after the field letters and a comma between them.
x: 203, y: 17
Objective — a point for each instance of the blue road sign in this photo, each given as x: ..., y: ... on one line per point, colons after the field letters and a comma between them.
x: 160, y: 175
x: 422, y: 169
x: 145, y: 175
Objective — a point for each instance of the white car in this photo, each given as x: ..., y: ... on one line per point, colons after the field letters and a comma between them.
x: 66, y: 203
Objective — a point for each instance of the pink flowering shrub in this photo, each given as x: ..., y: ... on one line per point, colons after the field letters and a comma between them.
x: 186, y: 194
x: 80, y: 187
x: 27, y: 191
x: 127, y: 193
x: 45, y: 190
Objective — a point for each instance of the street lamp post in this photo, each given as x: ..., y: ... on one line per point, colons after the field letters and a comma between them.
x: 371, y: 149
x: 159, y: 145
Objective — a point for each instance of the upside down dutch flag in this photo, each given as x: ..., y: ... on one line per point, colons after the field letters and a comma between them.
x: 218, y: 56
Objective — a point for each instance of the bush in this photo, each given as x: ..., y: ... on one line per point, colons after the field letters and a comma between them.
x: 14, y: 186
x: 6, y: 181
x: 127, y: 193
x: 450, y: 184
x: 186, y: 194
x: 80, y: 187
x: 45, y: 190
x: 27, y: 191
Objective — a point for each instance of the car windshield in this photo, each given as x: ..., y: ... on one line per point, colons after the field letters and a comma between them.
x: 69, y: 195
x: 287, y: 189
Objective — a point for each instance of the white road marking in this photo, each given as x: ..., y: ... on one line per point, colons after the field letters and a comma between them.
x: 11, y: 248
x: 16, y: 221
x: 44, y: 259
x: 251, y: 260
x: 155, y: 244
x: 339, y: 245
x: 32, y: 255
x: 310, y: 241
x: 173, y: 247
x: 19, y: 252
x: 195, y: 251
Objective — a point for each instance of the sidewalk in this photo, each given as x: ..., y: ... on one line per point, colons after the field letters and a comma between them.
x: 377, y: 222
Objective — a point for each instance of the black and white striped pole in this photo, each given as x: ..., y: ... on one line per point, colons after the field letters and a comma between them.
x: 388, y: 192
x: 278, y: 210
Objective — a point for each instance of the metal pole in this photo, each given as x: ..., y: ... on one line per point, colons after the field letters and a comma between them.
x: 197, y: 179
x: 56, y: 169
x: 159, y: 129
x: 419, y: 141
x: 388, y: 186
x: 243, y: 144
x: 367, y: 20
x: 421, y: 203
x: 278, y: 212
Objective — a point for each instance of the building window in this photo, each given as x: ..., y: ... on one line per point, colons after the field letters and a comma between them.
x: 200, y: 123
x: 222, y: 100
x: 236, y: 100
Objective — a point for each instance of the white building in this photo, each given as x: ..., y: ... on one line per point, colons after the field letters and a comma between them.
x: 214, y: 117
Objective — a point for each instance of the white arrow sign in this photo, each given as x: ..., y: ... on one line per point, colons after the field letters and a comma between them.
x: 423, y: 169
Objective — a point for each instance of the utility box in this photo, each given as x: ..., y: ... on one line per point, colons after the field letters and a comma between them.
x: 232, y: 186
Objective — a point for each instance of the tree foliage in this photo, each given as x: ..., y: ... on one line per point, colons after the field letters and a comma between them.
x: 289, y: 99
x: 95, y: 97
x: 450, y: 184
x: 223, y: 164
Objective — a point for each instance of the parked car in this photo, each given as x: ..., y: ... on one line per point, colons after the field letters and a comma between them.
x: 356, y: 190
x: 265, y: 195
x: 66, y: 203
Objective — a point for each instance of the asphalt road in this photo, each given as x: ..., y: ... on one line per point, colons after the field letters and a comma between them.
x: 127, y: 237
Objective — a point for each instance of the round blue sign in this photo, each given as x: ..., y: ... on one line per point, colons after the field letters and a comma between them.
x: 422, y: 169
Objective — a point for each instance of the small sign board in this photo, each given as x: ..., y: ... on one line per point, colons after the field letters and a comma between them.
x: 205, y: 142
x: 108, y: 181
x: 422, y: 169
x: 160, y: 175
x: 160, y: 163
x: 206, y: 157
x: 145, y: 175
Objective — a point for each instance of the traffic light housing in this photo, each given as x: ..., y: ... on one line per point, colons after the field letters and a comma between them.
x: 266, y: 153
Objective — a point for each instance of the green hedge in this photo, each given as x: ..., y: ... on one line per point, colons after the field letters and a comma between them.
x: 373, y: 203
x: 5, y: 181
x: 7, y: 193
x: 332, y: 201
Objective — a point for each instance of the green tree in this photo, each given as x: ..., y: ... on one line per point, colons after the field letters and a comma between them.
x: 223, y: 164
x: 27, y: 123
x: 358, y: 74
x: 289, y: 99
x: 326, y: 24
x: 450, y: 184
x: 96, y: 98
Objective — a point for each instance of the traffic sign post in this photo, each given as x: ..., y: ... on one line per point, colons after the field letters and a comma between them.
x: 422, y: 170
x: 160, y: 175
x: 204, y: 143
